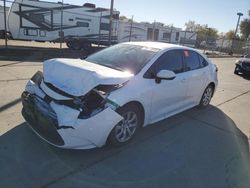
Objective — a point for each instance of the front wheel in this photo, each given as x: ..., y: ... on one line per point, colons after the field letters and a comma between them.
x: 206, y: 97
x: 126, y: 129
x: 236, y: 70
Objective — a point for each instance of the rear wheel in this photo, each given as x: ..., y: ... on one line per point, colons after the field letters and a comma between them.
x: 69, y: 45
x: 76, y: 45
x: 86, y: 46
x: 125, y: 130
x: 206, y: 97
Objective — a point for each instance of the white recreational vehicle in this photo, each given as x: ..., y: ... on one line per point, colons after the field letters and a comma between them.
x: 47, y: 21
x: 81, y: 26
x: 2, y: 27
x: 143, y: 31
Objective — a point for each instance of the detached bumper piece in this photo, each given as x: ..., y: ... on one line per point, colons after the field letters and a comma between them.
x: 41, y: 118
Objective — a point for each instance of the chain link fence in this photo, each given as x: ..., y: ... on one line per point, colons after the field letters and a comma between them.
x: 222, y: 45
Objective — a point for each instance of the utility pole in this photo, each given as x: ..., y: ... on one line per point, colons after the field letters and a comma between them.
x: 171, y: 31
x: 236, y: 29
x: 100, y: 29
x: 61, y: 30
x: 184, y: 41
x: 110, y: 20
x: 153, y: 36
x: 130, y: 31
x: 5, y: 24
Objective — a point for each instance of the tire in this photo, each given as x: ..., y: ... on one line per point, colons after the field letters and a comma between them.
x: 75, y: 45
x: 236, y: 70
x: 86, y: 46
x: 69, y: 45
x: 1, y: 34
x: 125, y: 130
x: 206, y: 97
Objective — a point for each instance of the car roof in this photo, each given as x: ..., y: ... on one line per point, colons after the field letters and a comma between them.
x: 158, y: 45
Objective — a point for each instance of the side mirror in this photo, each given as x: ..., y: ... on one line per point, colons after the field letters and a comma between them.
x: 164, y: 75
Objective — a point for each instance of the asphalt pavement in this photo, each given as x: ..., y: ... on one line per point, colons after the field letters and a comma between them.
x: 196, y: 148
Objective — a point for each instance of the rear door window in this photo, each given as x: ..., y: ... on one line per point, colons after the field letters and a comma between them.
x: 191, y: 60
x: 203, y: 62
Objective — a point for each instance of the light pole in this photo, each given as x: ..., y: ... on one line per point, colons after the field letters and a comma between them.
x: 235, y: 33
x: 5, y: 24
x: 130, y: 30
x: 239, y: 14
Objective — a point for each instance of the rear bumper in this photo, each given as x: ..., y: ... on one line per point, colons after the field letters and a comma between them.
x: 81, y: 134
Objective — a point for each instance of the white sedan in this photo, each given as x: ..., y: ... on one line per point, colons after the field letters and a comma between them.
x: 106, y: 97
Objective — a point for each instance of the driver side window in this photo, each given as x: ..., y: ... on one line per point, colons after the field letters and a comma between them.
x: 171, y: 60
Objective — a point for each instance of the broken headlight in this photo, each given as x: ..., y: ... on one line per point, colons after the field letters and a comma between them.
x: 37, y: 78
x: 96, y: 100
x: 105, y: 89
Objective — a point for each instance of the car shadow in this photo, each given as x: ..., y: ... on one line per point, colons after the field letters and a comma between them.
x: 196, y: 148
x: 246, y: 77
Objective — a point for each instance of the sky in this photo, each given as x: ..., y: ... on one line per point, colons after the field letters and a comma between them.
x: 219, y: 14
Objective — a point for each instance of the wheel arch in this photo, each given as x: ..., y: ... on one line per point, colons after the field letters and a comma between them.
x: 213, y: 85
x: 139, y: 105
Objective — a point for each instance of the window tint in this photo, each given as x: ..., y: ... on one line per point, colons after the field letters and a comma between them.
x: 171, y: 60
x: 203, y: 62
x: 82, y: 24
x: 166, y: 35
x: 191, y: 59
x: 30, y: 32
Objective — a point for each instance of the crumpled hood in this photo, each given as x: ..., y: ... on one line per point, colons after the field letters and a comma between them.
x: 77, y: 77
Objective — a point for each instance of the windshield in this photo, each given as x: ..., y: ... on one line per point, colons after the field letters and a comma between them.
x: 124, y: 57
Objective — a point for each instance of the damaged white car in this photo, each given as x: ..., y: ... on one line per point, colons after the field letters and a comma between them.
x: 106, y: 97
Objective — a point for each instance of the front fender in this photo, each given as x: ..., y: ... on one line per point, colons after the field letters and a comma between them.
x: 95, y: 129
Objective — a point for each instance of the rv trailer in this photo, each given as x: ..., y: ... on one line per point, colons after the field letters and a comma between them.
x: 78, y: 26
x: 145, y: 31
x: 2, y: 26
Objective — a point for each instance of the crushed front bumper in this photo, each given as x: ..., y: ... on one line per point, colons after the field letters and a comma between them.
x: 88, y: 133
